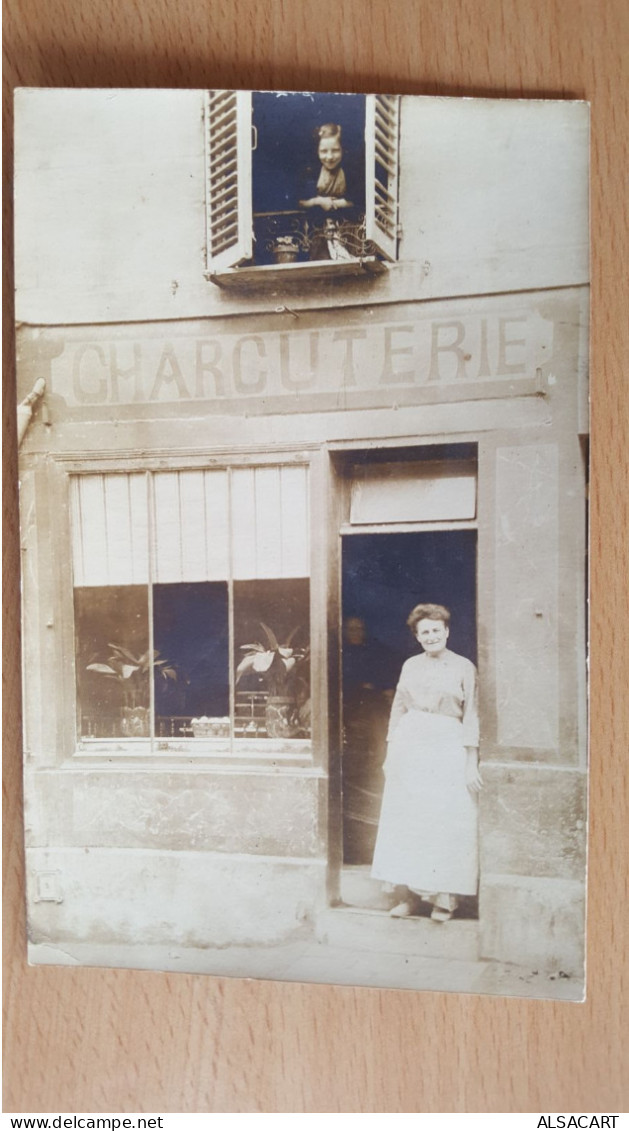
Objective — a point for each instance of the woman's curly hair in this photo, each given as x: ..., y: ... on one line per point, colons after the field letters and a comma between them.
x: 428, y: 612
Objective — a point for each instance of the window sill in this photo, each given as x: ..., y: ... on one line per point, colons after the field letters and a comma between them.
x: 179, y: 754
x: 270, y: 275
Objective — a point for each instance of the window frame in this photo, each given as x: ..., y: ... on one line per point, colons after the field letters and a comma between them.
x: 179, y: 753
x: 382, y: 152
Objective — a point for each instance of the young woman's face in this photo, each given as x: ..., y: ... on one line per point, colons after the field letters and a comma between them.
x: 432, y: 635
x: 330, y: 152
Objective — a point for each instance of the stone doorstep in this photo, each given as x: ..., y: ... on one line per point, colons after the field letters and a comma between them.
x: 357, y: 889
x: 368, y: 930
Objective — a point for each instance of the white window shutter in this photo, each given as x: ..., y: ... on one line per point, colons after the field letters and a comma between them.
x: 228, y: 178
x: 382, y: 130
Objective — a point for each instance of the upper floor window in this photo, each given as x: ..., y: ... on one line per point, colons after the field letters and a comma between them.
x: 300, y: 178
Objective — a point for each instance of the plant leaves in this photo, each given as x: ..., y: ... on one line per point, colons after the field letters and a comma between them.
x: 262, y: 661
x: 270, y: 635
x: 245, y: 665
x: 104, y: 668
x: 124, y: 652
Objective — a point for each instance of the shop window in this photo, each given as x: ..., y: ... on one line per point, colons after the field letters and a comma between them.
x: 192, y: 605
x: 296, y: 179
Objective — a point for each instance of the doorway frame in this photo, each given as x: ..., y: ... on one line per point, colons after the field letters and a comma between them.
x: 340, y: 457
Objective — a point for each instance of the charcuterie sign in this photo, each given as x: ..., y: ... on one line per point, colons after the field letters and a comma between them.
x: 298, y: 369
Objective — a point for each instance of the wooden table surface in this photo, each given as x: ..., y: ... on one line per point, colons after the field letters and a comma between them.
x: 102, y: 1041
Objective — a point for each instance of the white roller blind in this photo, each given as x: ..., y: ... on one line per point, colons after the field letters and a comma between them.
x: 270, y: 522
x: 191, y: 538
x: 191, y: 526
x: 295, y: 533
x: 109, y: 519
x: 414, y: 492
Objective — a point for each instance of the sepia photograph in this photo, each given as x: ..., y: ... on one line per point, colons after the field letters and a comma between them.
x: 303, y: 455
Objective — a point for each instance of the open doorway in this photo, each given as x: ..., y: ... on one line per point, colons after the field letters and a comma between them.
x: 383, y: 576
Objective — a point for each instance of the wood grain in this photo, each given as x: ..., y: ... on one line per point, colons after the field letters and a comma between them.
x: 99, y: 1041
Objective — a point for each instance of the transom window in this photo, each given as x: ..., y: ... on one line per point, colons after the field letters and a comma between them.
x: 300, y: 178
x: 191, y: 597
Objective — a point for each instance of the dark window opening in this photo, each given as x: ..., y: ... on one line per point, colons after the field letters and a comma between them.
x: 288, y: 176
x: 191, y: 628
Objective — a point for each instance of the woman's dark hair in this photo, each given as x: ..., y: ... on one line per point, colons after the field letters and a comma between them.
x: 428, y: 612
x: 330, y: 129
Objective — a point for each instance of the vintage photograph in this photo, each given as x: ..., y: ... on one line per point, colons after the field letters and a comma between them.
x: 303, y: 425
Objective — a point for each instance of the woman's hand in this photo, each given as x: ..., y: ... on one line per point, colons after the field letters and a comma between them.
x: 324, y: 202
x: 473, y: 779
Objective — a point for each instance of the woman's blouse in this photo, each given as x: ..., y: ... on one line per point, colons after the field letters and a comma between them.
x: 444, y: 685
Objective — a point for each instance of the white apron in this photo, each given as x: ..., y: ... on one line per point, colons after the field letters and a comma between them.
x: 428, y: 831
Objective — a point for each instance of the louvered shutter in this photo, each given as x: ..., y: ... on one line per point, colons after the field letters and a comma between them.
x: 228, y: 177
x: 382, y: 129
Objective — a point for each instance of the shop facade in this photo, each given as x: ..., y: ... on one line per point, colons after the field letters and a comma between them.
x: 237, y: 456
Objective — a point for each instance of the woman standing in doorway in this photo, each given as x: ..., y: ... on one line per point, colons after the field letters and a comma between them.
x: 427, y: 835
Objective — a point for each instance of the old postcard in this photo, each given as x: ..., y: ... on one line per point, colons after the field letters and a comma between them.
x: 303, y: 456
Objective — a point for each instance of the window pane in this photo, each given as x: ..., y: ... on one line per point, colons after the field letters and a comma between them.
x: 190, y: 624
x: 273, y: 669
x: 112, y: 669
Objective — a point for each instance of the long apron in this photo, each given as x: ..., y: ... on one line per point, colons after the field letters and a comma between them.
x: 428, y: 830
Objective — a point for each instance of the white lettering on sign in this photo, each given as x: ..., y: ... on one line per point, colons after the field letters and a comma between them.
x: 383, y: 359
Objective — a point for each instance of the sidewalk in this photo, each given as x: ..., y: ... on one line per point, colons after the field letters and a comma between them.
x: 319, y: 962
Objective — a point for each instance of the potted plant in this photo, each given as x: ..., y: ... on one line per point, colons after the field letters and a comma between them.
x: 285, y: 249
x: 281, y: 667
x: 132, y: 673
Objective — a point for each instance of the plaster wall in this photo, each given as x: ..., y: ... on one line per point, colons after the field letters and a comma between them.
x: 191, y: 899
